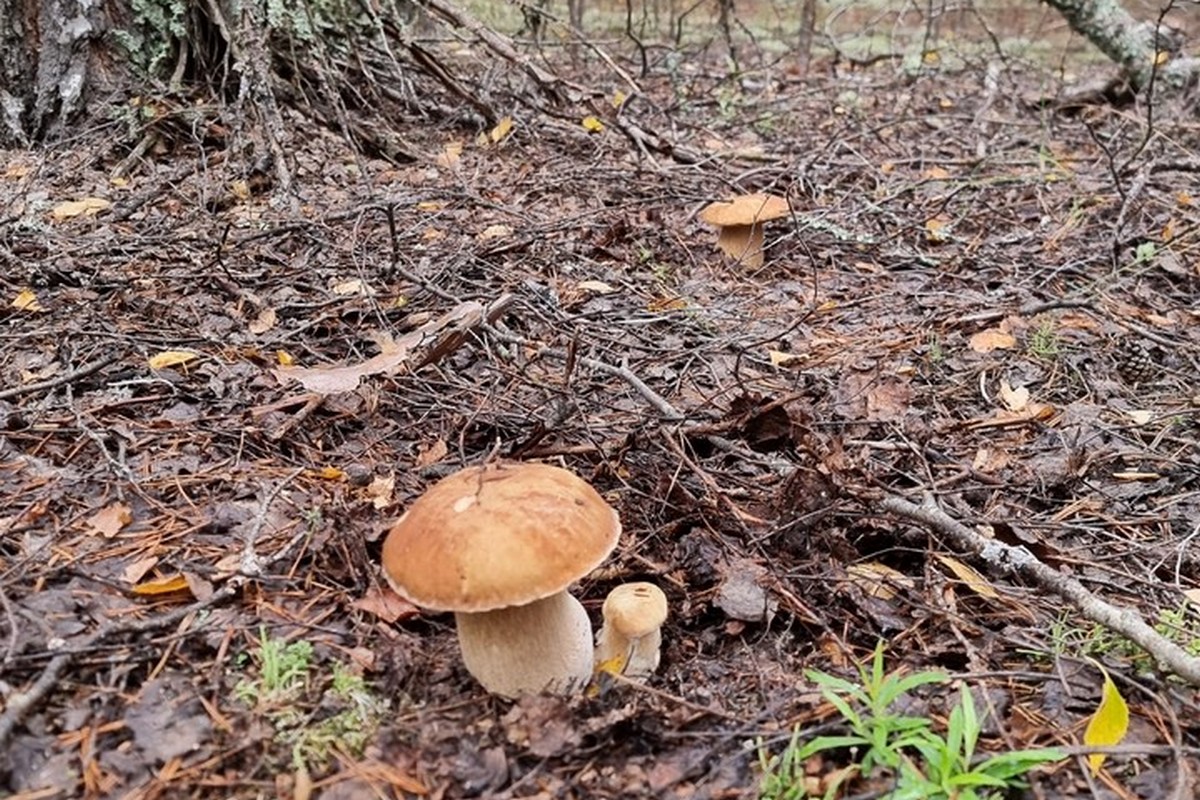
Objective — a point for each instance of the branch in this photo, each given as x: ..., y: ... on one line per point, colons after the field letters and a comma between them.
x: 1007, y: 558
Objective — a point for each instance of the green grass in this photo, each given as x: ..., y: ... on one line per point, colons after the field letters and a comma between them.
x: 902, y: 751
x: 287, y: 685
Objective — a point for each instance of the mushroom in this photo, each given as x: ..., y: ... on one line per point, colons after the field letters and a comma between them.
x: 629, y: 640
x: 498, y: 545
x: 741, y: 223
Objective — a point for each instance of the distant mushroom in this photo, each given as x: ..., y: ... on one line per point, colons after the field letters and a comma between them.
x: 630, y: 640
x: 741, y: 222
x: 498, y: 545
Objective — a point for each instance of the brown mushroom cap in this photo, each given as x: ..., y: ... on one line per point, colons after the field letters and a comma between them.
x: 498, y: 535
x: 635, y: 609
x: 748, y: 209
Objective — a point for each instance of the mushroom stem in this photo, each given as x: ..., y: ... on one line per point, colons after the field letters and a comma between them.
x: 743, y: 243
x: 631, y: 656
x: 542, y: 646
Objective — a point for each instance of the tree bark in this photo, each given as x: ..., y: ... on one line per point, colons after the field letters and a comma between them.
x: 47, y: 65
x: 1134, y: 45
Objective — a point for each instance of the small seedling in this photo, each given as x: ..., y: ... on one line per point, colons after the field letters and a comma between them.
x: 918, y: 762
x: 1043, y: 342
x: 283, y: 671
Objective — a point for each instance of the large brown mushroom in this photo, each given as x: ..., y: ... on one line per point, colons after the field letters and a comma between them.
x: 741, y: 222
x: 498, y: 545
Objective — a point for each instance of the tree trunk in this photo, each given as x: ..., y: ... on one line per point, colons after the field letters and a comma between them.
x: 48, y: 65
x: 1135, y: 46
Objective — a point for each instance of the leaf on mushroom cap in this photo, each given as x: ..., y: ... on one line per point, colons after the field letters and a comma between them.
x: 635, y: 609
x: 748, y: 209
x: 498, y: 535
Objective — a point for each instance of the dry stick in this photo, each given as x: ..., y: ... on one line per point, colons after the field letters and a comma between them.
x: 1124, y: 621
x: 51, y: 383
x: 21, y: 703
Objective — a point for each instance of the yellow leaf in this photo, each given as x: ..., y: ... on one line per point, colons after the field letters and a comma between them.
x: 992, y: 339
x: 974, y: 581
x: 284, y: 358
x: 88, y: 206
x: 328, y: 473
x: 240, y: 189
x: 171, y: 358
x: 931, y: 57
x: 153, y: 588
x: 501, y: 130
x: 618, y: 99
x: 936, y: 229
x: 1161, y: 57
x: 1109, y: 724
x: 1168, y: 231
x: 26, y: 300
x: 1183, y: 198
x: 592, y: 124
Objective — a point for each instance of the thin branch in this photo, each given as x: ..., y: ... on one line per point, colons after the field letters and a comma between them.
x: 1004, y: 557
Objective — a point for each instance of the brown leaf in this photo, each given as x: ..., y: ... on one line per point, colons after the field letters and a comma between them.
x: 109, y: 521
x: 138, y: 569
x: 889, y: 401
x: 386, y: 604
x: 432, y: 454
x: 160, y: 586
x: 992, y: 339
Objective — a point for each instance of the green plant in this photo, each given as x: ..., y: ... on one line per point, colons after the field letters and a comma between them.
x: 1144, y: 253
x: 285, y: 676
x: 921, y: 763
x: 1043, y: 342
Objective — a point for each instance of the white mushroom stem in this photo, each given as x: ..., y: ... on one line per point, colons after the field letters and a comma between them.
x: 544, y: 646
x: 631, y: 656
x: 743, y: 243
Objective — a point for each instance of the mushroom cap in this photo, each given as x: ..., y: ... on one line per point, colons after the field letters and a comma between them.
x: 635, y: 609
x: 745, y: 210
x: 498, y: 535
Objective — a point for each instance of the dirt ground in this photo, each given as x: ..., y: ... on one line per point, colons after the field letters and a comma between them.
x: 981, y: 294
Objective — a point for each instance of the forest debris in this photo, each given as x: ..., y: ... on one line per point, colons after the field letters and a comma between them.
x: 741, y: 595
x: 109, y: 521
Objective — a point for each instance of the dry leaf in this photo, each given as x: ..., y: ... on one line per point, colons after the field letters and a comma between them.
x: 1014, y: 399
x: 1140, y: 417
x: 596, y: 287
x: 109, y: 521
x: 974, y: 581
x: 502, y: 129
x: 992, y: 339
x: 618, y: 99
x: 332, y: 380
x: 661, y: 304
x: 386, y: 604
x: 328, y: 473
x: 1193, y: 595
x: 26, y: 300
x: 889, y: 401
x: 781, y: 359
x: 450, y: 155
x: 88, y: 206
x: 495, y: 232
x: 264, y: 321
x: 379, y: 491
x: 200, y: 588
x: 875, y: 579
x: 160, y: 586
x: 432, y: 454
x: 936, y: 229
x: 431, y: 205
x: 592, y: 124
x: 353, y: 286
x: 935, y: 174
x: 171, y: 358
x: 284, y: 358
x: 138, y: 569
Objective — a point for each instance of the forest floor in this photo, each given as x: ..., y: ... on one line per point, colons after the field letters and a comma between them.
x: 982, y: 296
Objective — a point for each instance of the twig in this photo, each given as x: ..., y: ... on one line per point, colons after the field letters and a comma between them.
x: 11, y: 649
x: 1124, y: 621
x: 250, y: 566
x: 52, y: 383
x: 22, y: 703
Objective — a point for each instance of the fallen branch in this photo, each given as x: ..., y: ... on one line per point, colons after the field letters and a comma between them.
x: 1007, y: 558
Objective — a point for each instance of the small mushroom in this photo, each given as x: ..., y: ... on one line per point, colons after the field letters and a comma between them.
x: 498, y: 545
x: 741, y: 222
x: 631, y: 637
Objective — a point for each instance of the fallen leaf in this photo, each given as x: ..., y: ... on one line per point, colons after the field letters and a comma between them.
x: 328, y: 473
x: 889, y: 401
x: 1109, y: 724
x: 502, y: 129
x: 160, y: 586
x: 386, y: 604
x: 109, y: 521
x: 379, y: 491
x: 1142, y: 417
x: 264, y: 321
x: 936, y: 229
x: 88, y: 206
x: 992, y: 339
x: 171, y: 358
x: 495, y: 232
x: 618, y: 99
x: 353, y: 286
x: 1193, y: 595
x: 596, y: 287
x: 432, y: 454
x: 138, y: 569
x: 661, y: 304
x: 876, y: 580
x: 284, y: 358
x: 781, y: 359
x: 1014, y: 399
x: 935, y: 174
x: 592, y: 124
x: 450, y: 154
x: 200, y: 588
x: 974, y: 581
x: 332, y: 380
x: 431, y: 205
x: 26, y: 300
